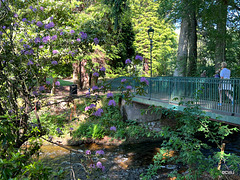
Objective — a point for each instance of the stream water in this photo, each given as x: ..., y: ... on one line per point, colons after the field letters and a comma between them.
x: 124, y: 161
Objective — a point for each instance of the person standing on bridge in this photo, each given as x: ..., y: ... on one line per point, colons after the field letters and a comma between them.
x: 225, y: 86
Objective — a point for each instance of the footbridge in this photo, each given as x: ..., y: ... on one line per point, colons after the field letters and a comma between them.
x: 168, y: 92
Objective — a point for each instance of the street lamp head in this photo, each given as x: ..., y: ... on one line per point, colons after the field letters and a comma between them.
x: 150, y: 32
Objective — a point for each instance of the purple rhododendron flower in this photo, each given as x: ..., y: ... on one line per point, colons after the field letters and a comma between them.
x: 55, y: 51
x: 87, y: 108
x: 96, y: 41
x: 92, y: 166
x: 48, y: 82
x: 15, y: 15
x: 39, y: 23
x: 72, y: 31
x: 143, y: 79
x: 88, y: 94
x: 59, y: 130
x: 54, y: 37
x: 94, y: 88
x: 0, y: 32
x: 30, y: 63
x: 71, y: 129
x: 139, y: 57
x: 103, y: 168
x: 99, y: 152
x: 54, y: 62
x: 29, y: 52
x: 46, y: 39
x: 41, y: 88
x: 128, y: 61
x: 41, y: 46
x: 41, y: 8
x: 88, y: 152
x: 61, y: 33
x: 99, y: 165
x: 35, y: 9
x: 95, y: 74
x: 30, y: 7
x: 57, y: 83
x: 83, y: 35
x: 24, y: 19
x: 51, y: 18
x: 98, y: 112
x: 112, y: 103
x: 35, y: 93
x: 49, y: 25
x: 4, y: 27
x: 113, y: 128
x: 26, y: 46
x: 103, y: 69
x: 123, y: 80
x: 90, y: 107
x: 109, y: 95
x: 37, y: 40
x: 50, y: 138
x: 129, y: 87
x: 78, y: 40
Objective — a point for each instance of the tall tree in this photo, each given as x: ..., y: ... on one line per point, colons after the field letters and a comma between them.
x: 220, y: 47
x: 144, y: 15
x: 192, y: 39
x: 184, y: 10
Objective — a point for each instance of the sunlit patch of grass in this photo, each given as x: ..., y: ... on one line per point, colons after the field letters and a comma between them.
x: 62, y: 82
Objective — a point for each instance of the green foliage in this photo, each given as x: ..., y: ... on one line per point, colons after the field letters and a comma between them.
x: 26, y: 60
x: 99, y: 127
x: 53, y: 122
x: 95, y: 131
x: 37, y: 170
x: 188, y: 147
x: 144, y: 14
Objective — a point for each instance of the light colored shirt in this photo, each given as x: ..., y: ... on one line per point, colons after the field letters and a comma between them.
x: 225, y: 73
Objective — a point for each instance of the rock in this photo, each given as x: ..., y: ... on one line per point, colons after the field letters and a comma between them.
x: 65, y: 163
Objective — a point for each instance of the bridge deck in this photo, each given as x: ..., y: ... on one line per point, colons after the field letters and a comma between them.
x: 206, y: 92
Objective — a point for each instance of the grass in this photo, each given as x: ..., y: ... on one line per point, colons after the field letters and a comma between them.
x: 62, y: 82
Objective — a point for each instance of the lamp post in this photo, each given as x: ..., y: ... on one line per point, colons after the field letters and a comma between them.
x: 150, y: 36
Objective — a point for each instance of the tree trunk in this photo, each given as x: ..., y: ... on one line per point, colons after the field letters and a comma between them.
x: 192, y: 39
x: 182, y: 49
x: 53, y: 90
x: 75, y: 72
x: 2, y: 112
x: 221, y: 34
x: 79, y: 81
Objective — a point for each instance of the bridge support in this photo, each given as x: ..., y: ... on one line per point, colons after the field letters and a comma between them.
x: 135, y: 111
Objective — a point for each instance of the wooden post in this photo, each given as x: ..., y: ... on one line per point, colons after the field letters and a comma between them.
x: 220, y: 161
x: 222, y: 151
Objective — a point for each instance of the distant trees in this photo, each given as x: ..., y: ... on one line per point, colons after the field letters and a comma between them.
x: 144, y: 14
x: 206, y: 30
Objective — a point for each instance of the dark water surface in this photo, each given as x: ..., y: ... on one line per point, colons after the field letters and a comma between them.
x: 125, y: 158
x: 139, y: 154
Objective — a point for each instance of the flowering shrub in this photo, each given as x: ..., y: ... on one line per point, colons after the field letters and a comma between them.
x: 31, y: 50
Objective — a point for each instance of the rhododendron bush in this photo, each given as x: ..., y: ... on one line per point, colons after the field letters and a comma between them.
x: 35, y: 43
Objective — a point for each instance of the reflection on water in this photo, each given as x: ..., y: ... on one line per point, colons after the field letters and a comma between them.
x: 52, y: 151
x: 137, y: 154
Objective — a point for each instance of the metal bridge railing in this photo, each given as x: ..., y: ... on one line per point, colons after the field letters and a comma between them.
x: 204, y: 91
